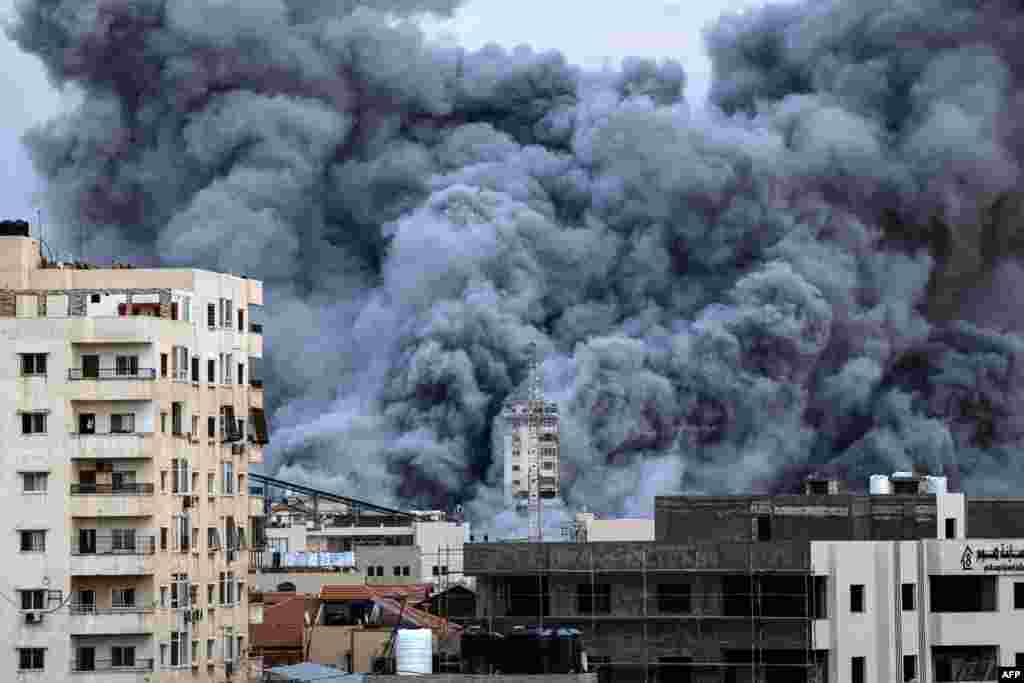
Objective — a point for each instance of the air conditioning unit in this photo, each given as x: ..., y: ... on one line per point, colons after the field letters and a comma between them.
x: 33, y: 618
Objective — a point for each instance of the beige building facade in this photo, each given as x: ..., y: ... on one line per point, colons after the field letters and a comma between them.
x: 131, y: 408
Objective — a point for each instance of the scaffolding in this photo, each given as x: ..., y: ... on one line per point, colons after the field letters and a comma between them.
x: 803, y: 607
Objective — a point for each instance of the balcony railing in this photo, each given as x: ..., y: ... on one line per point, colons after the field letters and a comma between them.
x: 78, y: 666
x: 108, y: 544
x: 112, y: 489
x: 86, y: 609
x: 75, y: 374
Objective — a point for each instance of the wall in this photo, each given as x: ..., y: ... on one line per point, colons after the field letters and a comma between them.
x: 305, y: 582
x: 620, y: 530
x: 440, y: 543
x: 330, y: 645
x: 388, y: 557
x: 995, y: 517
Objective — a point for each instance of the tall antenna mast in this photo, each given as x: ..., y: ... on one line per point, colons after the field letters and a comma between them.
x: 535, y: 413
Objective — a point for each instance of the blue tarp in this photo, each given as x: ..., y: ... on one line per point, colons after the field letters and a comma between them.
x: 306, y: 672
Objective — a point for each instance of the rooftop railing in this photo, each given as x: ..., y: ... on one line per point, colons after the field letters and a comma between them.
x: 77, y: 374
x: 127, y: 489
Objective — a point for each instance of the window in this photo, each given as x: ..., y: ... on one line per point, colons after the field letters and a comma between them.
x: 222, y: 588
x: 228, y: 482
x: 515, y: 468
x: 84, y: 601
x: 909, y: 667
x: 397, y: 570
x: 594, y: 598
x: 444, y: 570
x: 436, y: 571
x: 122, y: 656
x: 405, y: 570
x: 85, y: 658
x: 210, y: 479
x: 963, y: 593
x: 195, y: 427
x: 163, y: 653
x: 33, y: 364
x: 122, y: 423
x: 548, y: 466
x: 674, y: 598
x: 211, y: 427
x: 209, y: 594
x: 90, y: 366
x: 857, y: 598
x: 122, y: 598
x: 163, y: 423
x: 33, y: 599
x: 764, y: 528
x: 30, y: 658
x: 211, y: 371
x: 195, y: 369
x: 908, y: 597
x: 33, y: 541
x: 241, y: 373
x: 122, y: 540
x: 163, y: 364
x: 34, y: 482
x: 195, y: 650
x: 241, y: 320
x: 94, y: 298
x: 950, y: 527
x: 213, y: 537
x: 211, y: 316
x: 86, y: 423
x: 33, y: 423
x: 209, y: 647
x: 1019, y: 660
x: 163, y: 538
x: 226, y: 313
x: 1018, y: 595
x: 163, y: 481
x: 857, y: 670
x: 126, y: 366
x: 177, y: 412
x: 178, y: 657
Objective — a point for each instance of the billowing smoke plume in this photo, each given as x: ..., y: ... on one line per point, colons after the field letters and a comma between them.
x: 808, y: 271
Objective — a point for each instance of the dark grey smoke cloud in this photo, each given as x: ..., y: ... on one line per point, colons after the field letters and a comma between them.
x: 806, y: 272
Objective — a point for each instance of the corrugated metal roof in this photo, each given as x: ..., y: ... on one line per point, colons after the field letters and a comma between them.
x: 342, y: 593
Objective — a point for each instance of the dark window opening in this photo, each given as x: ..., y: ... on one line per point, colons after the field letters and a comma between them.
x: 964, y: 663
x: 764, y: 528
x: 907, y: 595
x: 674, y: 598
x: 857, y: 598
x: 950, y: 527
x: 909, y: 668
x: 594, y: 598
x: 163, y: 364
x: 211, y: 371
x: 962, y: 594
x: 857, y: 670
x: 527, y: 596
x: 1018, y: 595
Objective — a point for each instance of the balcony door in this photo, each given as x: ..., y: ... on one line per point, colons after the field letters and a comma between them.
x: 85, y: 659
x: 86, y: 541
x: 91, y: 367
x: 86, y: 601
x: 87, y: 423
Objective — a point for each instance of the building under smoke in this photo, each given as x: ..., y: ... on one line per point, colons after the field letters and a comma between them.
x: 531, y: 445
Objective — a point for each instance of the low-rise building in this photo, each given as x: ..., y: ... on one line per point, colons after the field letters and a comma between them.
x: 913, y: 583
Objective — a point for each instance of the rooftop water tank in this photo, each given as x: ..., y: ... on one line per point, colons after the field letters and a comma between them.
x: 880, y: 485
x: 936, y: 486
x: 414, y: 655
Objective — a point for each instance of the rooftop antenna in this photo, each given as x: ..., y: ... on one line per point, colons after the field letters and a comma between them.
x: 535, y: 413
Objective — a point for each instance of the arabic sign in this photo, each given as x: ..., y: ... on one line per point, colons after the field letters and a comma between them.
x: 1001, y: 558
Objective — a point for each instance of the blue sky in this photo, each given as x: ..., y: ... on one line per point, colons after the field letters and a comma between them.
x: 611, y: 31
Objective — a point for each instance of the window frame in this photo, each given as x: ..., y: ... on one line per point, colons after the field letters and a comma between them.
x: 29, y: 366
x: 35, y: 477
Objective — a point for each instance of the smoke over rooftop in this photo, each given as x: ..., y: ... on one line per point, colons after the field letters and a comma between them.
x: 811, y: 271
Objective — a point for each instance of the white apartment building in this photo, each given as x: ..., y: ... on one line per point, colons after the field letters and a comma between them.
x: 531, y: 439
x: 130, y: 410
x: 439, y: 541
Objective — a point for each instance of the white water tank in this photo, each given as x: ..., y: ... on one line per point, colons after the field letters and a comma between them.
x: 879, y: 485
x: 414, y: 654
x: 936, y: 486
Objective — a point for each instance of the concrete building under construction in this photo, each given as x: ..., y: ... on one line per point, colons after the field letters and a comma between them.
x: 820, y: 586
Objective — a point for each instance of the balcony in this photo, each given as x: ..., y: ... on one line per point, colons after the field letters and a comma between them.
x: 108, y: 666
x: 111, y: 384
x: 88, y: 620
x: 106, y: 500
x: 110, y: 446
x: 109, y: 554
x: 99, y: 374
